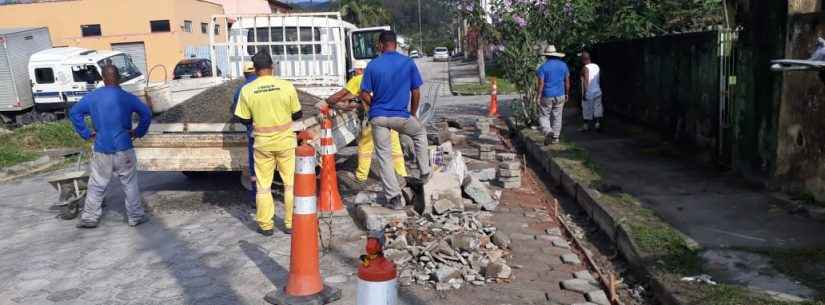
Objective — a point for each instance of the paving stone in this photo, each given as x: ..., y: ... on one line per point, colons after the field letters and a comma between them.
x: 598, y: 297
x: 584, y: 275
x: 501, y: 172
x: 522, y: 236
x: 504, y: 157
x: 571, y: 259
x: 487, y: 156
x: 553, y: 231
x: 484, y: 174
x: 510, y: 165
x: 485, y: 147
x: 376, y: 218
x: 509, y: 184
x: 561, y: 244
x: 578, y: 285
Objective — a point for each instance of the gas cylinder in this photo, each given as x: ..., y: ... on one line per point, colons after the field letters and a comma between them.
x: 377, y: 277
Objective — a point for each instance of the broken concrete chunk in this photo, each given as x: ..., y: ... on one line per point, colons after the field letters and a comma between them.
x: 466, y: 242
x: 445, y: 273
x: 443, y: 206
x: 498, y: 270
x: 490, y: 206
x: 485, y: 147
x: 501, y: 240
x: 477, y: 191
x: 399, y: 257
x: 578, y: 285
x: 440, y: 186
x: 584, y: 275
x: 369, y: 198
x: 376, y: 218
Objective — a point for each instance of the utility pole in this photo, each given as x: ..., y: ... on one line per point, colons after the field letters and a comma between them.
x: 420, y: 35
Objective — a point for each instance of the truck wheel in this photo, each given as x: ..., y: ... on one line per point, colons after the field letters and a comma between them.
x: 25, y: 118
x: 48, y: 117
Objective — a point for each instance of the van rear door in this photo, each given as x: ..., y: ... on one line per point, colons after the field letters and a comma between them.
x: 46, y: 86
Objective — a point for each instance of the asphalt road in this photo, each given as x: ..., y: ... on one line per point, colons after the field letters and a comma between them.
x: 199, y: 248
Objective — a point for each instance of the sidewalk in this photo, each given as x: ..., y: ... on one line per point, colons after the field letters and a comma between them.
x: 463, y: 72
x: 717, y: 210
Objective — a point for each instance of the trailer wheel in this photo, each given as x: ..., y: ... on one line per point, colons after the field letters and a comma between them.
x: 71, y: 210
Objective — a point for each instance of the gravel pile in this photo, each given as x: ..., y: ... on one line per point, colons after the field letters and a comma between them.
x: 214, y: 105
x: 447, y: 251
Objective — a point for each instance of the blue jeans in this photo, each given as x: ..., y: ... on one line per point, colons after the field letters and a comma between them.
x: 250, y: 151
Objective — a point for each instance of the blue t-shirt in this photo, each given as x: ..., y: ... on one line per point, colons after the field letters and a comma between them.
x: 111, y: 109
x: 554, y: 72
x: 390, y: 78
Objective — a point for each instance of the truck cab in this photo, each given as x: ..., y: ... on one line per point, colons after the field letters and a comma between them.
x: 60, y: 77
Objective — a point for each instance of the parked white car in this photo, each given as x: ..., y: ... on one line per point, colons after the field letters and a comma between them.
x: 441, y: 54
x: 414, y: 54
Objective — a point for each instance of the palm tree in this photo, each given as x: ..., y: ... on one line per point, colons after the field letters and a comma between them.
x: 365, y: 13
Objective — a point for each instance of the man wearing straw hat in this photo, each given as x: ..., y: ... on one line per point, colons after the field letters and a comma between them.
x: 554, y: 90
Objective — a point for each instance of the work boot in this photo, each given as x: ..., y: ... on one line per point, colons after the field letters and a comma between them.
x: 86, y: 224
x: 137, y: 222
x: 265, y: 232
x: 396, y: 203
x: 287, y: 231
x: 598, y: 125
x: 555, y: 140
x: 425, y: 178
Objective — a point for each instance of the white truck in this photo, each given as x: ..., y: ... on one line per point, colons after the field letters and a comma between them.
x: 16, y: 46
x: 313, y: 50
x: 60, y: 77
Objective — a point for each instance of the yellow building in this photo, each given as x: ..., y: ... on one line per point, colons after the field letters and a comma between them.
x: 154, y: 32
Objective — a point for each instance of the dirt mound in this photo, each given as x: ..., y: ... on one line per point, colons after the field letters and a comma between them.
x: 214, y: 105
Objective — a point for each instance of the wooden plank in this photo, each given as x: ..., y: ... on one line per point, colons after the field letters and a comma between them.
x: 215, y: 159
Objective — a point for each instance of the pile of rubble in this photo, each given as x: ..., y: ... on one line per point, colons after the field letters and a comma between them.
x: 447, y: 251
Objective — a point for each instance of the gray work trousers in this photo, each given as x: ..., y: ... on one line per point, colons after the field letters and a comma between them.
x: 103, y: 167
x: 550, y: 115
x: 381, y: 127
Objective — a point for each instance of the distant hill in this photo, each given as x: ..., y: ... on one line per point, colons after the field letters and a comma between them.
x: 310, y: 6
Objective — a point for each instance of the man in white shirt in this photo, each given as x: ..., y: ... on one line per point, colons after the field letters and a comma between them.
x: 592, y: 93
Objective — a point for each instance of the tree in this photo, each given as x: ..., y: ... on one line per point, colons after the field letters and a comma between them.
x: 365, y: 13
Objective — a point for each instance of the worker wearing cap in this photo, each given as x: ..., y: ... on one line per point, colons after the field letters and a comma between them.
x: 249, y: 76
x: 365, y: 144
x: 270, y: 105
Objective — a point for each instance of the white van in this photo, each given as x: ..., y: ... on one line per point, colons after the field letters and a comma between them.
x: 60, y: 77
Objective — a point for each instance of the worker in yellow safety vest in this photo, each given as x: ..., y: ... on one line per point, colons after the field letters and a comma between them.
x: 270, y: 105
x: 365, y: 144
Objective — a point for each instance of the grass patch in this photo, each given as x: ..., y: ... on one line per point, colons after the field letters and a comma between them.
x: 504, y: 87
x: 808, y: 198
x: 733, y: 295
x: 25, y: 143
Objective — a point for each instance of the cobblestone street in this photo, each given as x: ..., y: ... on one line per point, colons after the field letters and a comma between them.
x: 200, y: 246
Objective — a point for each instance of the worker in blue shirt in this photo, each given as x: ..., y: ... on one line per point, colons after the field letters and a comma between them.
x: 249, y: 76
x: 391, y: 90
x: 554, y: 90
x: 111, y: 109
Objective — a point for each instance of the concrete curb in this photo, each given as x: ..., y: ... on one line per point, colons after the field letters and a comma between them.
x: 28, y: 168
x: 590, y: 200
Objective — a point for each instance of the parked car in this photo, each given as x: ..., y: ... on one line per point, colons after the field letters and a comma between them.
x: 194, y: 68
x: 414, y: 54
x: 441, y: 54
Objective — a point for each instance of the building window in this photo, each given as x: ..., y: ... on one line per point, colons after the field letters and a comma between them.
x: 160, y: 26
x: 187, y: 26
x: 89, y: 30
x: 217, y: 29
x: 44, y: 75
x: 204, y: 27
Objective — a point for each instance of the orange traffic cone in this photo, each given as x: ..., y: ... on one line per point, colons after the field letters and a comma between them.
x: 493, y: 106
x: 304, y: 285
x: 330, y: 197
